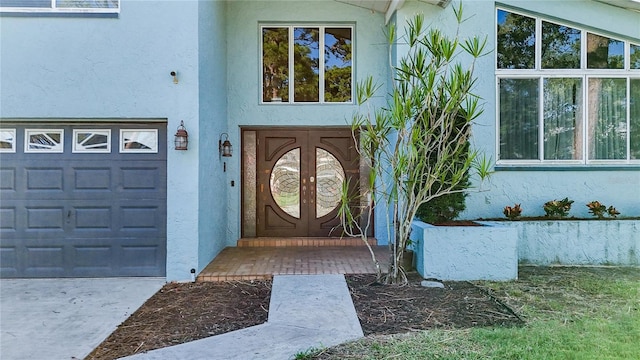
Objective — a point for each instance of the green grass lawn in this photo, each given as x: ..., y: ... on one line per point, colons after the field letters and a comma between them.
x: 570, y: 313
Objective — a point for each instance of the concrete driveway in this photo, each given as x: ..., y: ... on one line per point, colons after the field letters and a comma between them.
x: 65, y: 318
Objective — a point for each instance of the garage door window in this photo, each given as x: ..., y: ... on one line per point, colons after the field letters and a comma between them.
x: 8, y: 140
x: 139, y: 141
x: 91, y: 141
x: 44, y: 140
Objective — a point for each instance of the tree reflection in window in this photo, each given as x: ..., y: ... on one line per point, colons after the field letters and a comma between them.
x: 516, y: 41
x: 604, y: 53
x: 311, y: 71
x: 607, y: 118
x: 560, y: 47
x: 634, y: 51
x: 562, y: 118
x: 337, y: 76
x: 306, y: 64
x: 275, y: 64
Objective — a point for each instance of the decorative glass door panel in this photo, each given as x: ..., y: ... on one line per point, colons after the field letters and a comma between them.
x: 329, y: 180
x: 300, y: 175
x: 285, y: 183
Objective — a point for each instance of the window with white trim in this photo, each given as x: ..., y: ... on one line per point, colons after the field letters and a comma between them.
x: 565, y: 95
x: 138, y: 141
x: 44, y: 140
x: 60, y: 6
x: 307, y: 64
x: 8, y: 140
x: 91, y: 140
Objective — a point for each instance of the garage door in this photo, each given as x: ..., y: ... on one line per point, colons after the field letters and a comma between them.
x: 82, y: 200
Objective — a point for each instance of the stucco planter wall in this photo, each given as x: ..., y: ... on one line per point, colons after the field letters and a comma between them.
x: 459, y: 253
x: 579, y: 242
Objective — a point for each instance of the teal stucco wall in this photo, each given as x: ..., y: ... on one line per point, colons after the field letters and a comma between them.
x: 213, y: 187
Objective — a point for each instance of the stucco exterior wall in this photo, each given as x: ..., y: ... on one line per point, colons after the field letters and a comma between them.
x: 213, y: 186
x: 244, y: 91
x: 567, y: 242
x: 533, y: 186
x: 459, y: 253
x: 116, y: 68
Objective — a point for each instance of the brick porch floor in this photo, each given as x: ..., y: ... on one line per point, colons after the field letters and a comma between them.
x: 263, y: 258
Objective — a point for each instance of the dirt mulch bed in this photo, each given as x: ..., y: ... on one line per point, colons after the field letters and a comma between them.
x: 180, y: 313
x: 391, y: 309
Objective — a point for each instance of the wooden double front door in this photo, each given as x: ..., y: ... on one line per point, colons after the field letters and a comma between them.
x: 299, y: 176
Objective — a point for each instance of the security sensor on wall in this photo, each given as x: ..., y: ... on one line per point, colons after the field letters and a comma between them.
x: 175, y: 77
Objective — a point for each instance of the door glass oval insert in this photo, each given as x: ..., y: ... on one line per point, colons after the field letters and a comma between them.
x: 330, y: 177
x: 285, y: 182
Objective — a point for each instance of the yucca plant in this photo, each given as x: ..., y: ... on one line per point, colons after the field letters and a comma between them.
x: 417, y: 145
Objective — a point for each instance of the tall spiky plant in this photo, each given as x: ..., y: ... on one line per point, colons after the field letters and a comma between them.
x: 417, y: 145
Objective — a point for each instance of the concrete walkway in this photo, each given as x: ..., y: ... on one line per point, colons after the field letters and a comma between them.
x: 65, y: 319
x: 306, y: 311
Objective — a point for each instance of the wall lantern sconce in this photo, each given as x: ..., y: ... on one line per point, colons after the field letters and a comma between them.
x: 181, y: 137
x: 225, y: 147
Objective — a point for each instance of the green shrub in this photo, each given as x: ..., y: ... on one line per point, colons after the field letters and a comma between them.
x: 442, y: 209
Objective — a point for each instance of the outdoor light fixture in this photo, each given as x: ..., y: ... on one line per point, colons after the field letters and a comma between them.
x: 181, y: 137
x: 225, y: 147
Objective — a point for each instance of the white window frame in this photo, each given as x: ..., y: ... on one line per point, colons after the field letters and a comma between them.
x: 583, y: 73
x: 12, y: 136
x: 77, y: 149
x: 56, y: 149
x: 321, y: 66
x: 56, y: 9
x: 152, y: 149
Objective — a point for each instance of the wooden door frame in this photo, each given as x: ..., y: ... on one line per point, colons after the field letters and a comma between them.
x: 244, y: 206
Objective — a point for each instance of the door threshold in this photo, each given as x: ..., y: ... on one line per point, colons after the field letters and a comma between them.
x: 303, y: 241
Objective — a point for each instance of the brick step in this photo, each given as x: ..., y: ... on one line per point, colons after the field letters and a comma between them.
x: 306, y: 241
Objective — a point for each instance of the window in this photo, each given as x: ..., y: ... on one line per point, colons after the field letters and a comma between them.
x: 307, y: 64
x: 566, y: 95
x: 60, y: 6
x: 139, y: 141
x: 91, y: 141
x: 44, y: 140
x: 8, y: 140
